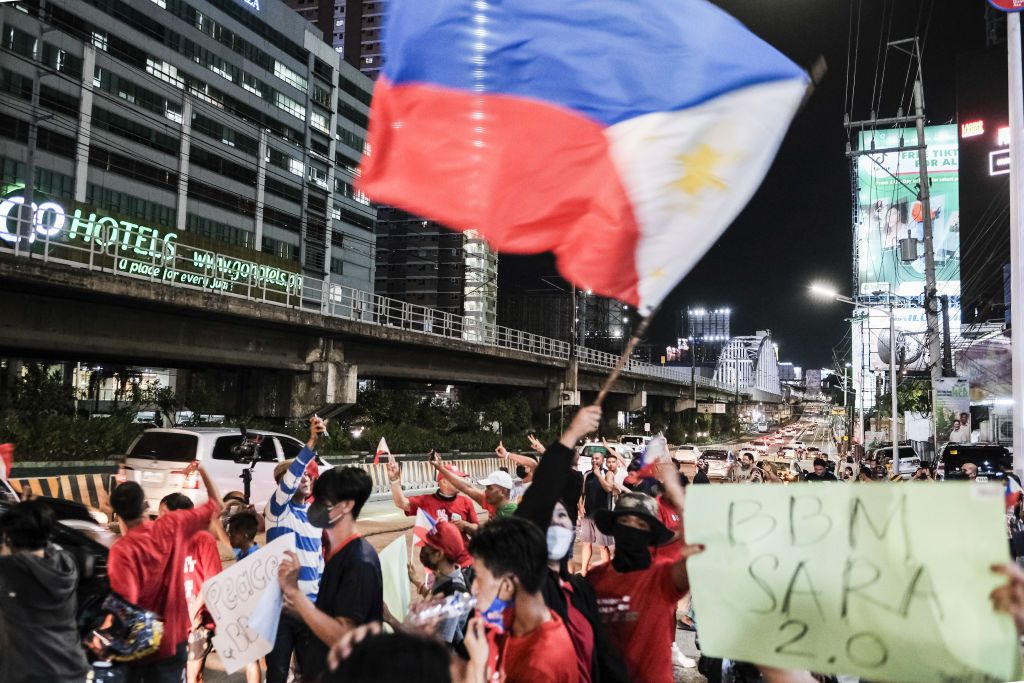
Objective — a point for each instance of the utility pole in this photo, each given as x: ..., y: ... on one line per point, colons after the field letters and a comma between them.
x: 573, y: 368
x: 931, y: 303
x: 693, y: 382
x: 930, y: 292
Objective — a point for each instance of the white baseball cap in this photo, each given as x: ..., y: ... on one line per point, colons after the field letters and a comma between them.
x: 498, y: 478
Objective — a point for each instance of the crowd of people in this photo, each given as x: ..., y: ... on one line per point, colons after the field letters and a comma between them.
x: 499, y: 598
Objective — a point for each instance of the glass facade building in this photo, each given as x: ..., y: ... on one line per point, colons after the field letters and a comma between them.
x: 229, y: 119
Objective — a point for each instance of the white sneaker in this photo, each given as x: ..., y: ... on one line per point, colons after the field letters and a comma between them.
x: 679, y: 659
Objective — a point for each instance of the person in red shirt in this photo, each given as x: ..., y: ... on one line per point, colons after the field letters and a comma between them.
x: 444, y: 505
x: 670, y: 552
x: 530, y: 642
x: 146, y: 568
x: 495, y: 498
x: 636, y: 595
x: 201, y: 563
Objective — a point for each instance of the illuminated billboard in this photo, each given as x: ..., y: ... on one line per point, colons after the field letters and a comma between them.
x: 888, y: 211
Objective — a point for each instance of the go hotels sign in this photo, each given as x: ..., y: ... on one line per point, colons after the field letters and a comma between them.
x: 137, y: 249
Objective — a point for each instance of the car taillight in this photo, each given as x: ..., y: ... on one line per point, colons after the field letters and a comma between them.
x: 191, y: 476
x: 122, y: 473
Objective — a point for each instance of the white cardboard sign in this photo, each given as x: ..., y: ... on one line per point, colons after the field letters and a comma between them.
x: 245, y: 601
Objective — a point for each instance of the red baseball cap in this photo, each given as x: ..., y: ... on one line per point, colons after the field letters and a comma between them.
x: 447, y: 538
x: 451, y: 468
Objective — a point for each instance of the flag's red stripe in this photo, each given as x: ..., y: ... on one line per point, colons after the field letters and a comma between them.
x: 529, y: 176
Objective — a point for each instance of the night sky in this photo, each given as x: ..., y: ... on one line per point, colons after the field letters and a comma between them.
x: 797, y: 228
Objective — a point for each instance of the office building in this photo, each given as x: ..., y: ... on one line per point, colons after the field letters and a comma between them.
x: 601, y: 323
x: 424, y: 263
x: 227, y: 122
x: 352, y: 27
x: 708, y: 331
x: 789, y: 372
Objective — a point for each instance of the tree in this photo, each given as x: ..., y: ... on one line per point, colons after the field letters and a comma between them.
x: 42, y: 392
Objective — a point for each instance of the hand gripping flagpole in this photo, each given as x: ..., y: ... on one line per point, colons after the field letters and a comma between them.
x: 638, y: 334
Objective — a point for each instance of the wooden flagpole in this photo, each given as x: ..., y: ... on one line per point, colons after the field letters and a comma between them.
x: 638, y: 334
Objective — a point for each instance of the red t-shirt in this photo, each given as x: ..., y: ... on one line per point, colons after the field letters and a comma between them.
x: 545, y: 655
x: 581, y: 633
x: 201, y: 563
x: 670, y: 518
x: 146, y: 568
x: 639, y: 610
x: 443, y: 510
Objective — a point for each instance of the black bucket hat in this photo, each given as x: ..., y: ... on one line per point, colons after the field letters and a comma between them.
x: 639, y: 505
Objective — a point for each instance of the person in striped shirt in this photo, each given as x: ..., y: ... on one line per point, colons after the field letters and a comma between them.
x: 286, y: 514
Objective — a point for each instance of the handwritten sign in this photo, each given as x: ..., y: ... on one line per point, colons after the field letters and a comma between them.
x: 888, y: 582
x: 245, y: 602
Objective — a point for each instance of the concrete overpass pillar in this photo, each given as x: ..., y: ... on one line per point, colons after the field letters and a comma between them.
x: 678, y: 405
x: 328, y: 387
x: 561, y: 396
x: 627, y: 403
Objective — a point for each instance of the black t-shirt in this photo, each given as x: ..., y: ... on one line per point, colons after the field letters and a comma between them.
x: 827, y: 476
x: 571, y: 494
x: 351, y: 587
x: 594, y: 496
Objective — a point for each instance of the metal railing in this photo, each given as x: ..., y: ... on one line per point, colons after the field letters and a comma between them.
x: 128, y: 251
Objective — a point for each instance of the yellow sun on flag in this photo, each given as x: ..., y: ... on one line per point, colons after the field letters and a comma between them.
x: 699, y: 170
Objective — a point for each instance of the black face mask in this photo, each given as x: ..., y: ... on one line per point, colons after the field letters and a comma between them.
x: 319, y: 515
x: 632, y: 549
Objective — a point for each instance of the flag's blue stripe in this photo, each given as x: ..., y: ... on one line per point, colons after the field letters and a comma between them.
x: 610, y: 60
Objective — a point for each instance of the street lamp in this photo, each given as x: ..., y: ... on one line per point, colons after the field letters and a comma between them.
x: 829, y: 293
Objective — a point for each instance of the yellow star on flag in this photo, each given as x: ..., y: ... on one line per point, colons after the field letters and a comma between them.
x: 698, y: 170
x: 657, y: 274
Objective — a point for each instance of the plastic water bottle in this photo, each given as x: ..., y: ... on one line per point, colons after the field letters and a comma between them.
x: 458, y: 605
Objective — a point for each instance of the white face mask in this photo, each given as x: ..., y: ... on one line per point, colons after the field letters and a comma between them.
x: 559, y: 542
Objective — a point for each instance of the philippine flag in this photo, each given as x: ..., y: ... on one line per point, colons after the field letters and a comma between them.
x: 6, y: 459
x: 382, y: 449
x: 622, y: 136
x: 1013, y: 492
x: 656, y: 450
x: 425, y: 524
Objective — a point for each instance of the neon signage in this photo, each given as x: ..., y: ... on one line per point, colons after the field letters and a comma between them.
x: 971, y: 129
x: 138, y: 249
x: 48, y: 219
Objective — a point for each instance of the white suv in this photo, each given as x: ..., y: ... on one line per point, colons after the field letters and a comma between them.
x: 158, y: 458
x: 687, y: 453
x: 635, y: 442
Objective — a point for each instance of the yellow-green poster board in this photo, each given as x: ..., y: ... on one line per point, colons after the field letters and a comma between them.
x: 886, y: 581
